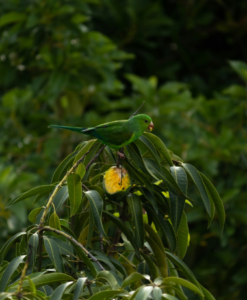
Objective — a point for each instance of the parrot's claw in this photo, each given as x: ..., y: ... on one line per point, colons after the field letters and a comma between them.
x: 121, y: 155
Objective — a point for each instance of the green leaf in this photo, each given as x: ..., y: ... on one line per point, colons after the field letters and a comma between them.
x: 182, y: 236
x: 136, y: 157
x: 154, y: 236
x: 9, y: 271
x: 207, y: 294
x: 119, y: 223
x: 61, y: 197
x: 144, y: 292
x: 32, y: 286
x: 197, y: 179
x: 35, y: 191
x: 177, y: 202
x: 133, y: 278
x: 183, y: 268
x: 168, y: 179
x: 33, y: 214
x: 216, y: 199
x: 54, y: 221
x: 173, y: 272
x: 96, y: 205
x: 8, y: 244
x: 106, y: 294
x: 150, y: 197
x: 239, y: 67
x: 65, y: 248
x: 160, y: 146
x: 79, y: 287
x: 57, y: 176
x: 81, y: 170
x: 151, y: 265
x: 58, y: 292
x: 11, y: 18
x: 185, y: 283
x: 144, y: 141
x: 135, y: 205
x: 136, y: 175
x: 165, y: 226
x: 75, y: 192
x: 32, y: 249
x: 83, y: 256
x: 107, y: 276
x: 159, y: 255
x: 48, y: 279
x: 157, y: 293
x: 54, y: 253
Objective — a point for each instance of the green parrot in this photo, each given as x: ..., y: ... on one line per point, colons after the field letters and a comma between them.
x: 116, y: 134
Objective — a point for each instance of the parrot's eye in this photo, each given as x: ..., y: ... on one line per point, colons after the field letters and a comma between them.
x: 146, y: 121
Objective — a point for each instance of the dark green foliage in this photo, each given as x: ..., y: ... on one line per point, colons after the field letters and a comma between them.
x: 112, y: 251
x: 64, y: 63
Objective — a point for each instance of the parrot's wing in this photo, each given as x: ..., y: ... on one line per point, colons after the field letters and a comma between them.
x: 115, y: 133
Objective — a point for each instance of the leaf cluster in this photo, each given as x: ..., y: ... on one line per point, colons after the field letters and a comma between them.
x: 101, y: 248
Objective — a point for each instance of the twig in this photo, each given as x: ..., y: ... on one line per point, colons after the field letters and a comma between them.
x: 85, y: 187
x: 47, y: 228
x: 95, y: 156
x: 137, y: 110
x: 23, y: 274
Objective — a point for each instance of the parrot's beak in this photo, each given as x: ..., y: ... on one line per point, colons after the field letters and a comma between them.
x: 151, y: 126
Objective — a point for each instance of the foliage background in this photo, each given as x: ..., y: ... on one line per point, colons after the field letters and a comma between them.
x: 84, y: 63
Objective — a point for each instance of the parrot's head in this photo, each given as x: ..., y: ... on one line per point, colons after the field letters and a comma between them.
x: 142, y: 122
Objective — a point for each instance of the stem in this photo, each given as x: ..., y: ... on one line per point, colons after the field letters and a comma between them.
x: 90, y: 289
x: 47, y: 228
x: 23, y: 274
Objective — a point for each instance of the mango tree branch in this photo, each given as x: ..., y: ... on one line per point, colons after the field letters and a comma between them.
x: 47, y: 228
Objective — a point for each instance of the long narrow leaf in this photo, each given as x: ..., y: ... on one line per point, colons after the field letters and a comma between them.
x: 96, y: 205
x: 119, y: 223
x: 32, y: 249
x: 8, y: 244
x: 79, y: 287
x: 177, y: 202
x: 160, y: 146
x: 9, y: 271
x: 182, y: 237
x: 75, y: 192
x: 58, y: 293
x: 197, y: 179
x: 216, y: 199
x: 54, y: 253
x: 135, y: 205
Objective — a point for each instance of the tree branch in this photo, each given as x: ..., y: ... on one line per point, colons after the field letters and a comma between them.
x: 47, y: 228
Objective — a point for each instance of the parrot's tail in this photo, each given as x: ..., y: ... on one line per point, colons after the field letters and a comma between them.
x: 77, y: 129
